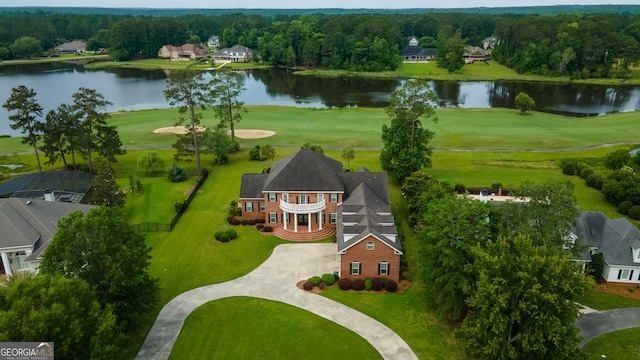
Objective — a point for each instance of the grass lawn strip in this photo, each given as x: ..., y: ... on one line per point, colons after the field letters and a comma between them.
x: 251, y: 328
x: 620, y: 344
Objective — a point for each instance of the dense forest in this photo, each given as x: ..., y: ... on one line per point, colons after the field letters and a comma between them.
x: 582, y: 45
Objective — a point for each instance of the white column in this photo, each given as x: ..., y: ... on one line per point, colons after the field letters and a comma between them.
x: 309, y: 223
x: 6, y: 264
x: 295, y: 222
x: 285, y: 219
x: 320, y: 219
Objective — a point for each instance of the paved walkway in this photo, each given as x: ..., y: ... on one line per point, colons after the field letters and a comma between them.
x: 276, y: 279
x: 598, y: 323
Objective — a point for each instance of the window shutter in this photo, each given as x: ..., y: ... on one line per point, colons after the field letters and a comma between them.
x: 631, y: 275
x: 379, y: 268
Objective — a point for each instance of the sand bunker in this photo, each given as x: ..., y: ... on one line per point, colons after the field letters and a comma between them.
x: 175, y: 130
x: 242, y: 134
x: 254, y: 134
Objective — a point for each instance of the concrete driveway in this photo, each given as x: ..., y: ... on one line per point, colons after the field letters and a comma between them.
x: 276, y: 279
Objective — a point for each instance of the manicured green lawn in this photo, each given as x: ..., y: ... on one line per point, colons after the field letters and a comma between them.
x: 250, y: 328
x: 622, y: 344
x: 603, y: 301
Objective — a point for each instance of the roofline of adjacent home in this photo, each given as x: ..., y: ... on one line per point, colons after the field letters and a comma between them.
x: 396, y: 251
x: 14, y: 248
x: 306, y: 191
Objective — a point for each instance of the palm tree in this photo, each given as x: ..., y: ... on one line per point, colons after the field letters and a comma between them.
x: 348, y: 154
x: 268, y: 152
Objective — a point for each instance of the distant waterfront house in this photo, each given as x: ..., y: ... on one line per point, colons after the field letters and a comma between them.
x: 475, y: 53
x: 414, y: 53
x: 618, y: 241
x: 74, y: 47
x: 27, y: 227
x: 213, y: 41
x: 236, y: 53
x: 307, y: 196
x: 183, y: 53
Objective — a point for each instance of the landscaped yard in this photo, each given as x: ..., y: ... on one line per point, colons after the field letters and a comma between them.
x: 250, y: 328
x: 620, y: 344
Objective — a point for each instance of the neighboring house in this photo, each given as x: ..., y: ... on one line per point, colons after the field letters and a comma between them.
x: 489, y: 43
x: 414, y: 53
x: 308, y: 196
x: 618, y: 241
x: 183, y: 53
x: 475, y: 53
x: 60, y: 186
x: 73, y: 47
x: 236, y: 53
x: 26, y: 229
x: 213, y: 41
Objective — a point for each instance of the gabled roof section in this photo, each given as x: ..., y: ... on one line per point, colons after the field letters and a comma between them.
x: 251, y: 186
x: 614, y: 238
x: 305, y: 171
x: 365, y: 213
x: 32, y: 222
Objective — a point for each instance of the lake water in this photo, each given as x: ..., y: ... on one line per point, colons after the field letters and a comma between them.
x: 131, y: 89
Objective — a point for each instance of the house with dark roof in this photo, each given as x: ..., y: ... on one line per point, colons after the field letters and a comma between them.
x: 414, y: 53
x: 184, y: 52
x: 26, y: 229
x: 73, y: 47
x: 617, y: 239
x: 236, y: 53
x: 475, y: 53
x: 307, y: 196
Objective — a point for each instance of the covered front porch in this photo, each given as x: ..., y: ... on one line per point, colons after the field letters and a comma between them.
x: 14, y: 261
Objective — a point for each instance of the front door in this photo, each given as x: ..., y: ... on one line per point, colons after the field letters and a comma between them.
x: 303, y: 219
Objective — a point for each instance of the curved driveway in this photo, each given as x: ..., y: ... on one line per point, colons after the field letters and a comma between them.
x: 599, y: 323
x: 276, y: 279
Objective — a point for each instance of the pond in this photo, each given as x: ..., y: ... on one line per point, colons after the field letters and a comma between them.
x: 132, y: 89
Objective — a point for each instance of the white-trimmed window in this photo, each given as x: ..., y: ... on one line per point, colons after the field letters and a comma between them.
x: 370, y: 245
x: 320, y: 197
x: 383, y: 268
x: 333, y: 218
x: 272, y: 197
x: 273, y: 217
x: 355, y: 268
x: 303, y: 199
x: 261, y: 206
x: 285, y: 197
x: 22, y: 263
x: 285, y: 216
x: 333, y: 197
x: 248, y: 206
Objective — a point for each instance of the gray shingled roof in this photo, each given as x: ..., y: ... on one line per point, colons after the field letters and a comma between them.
x: 32, y: 222
x: 414, y: 50
x: 614, y: 238
x: 305, y: 171
x: 365, y: 213
x: 252, y: 185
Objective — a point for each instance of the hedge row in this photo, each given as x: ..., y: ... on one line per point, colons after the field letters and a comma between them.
x: 375, y: 284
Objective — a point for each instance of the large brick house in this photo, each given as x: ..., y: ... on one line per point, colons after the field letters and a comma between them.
x: 307, y: 196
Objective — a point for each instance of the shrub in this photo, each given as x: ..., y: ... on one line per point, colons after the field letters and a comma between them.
x: 329, y: 279
x: 251, y: 222
x: 254, y: 153
x: 234, y: 210
x: 217, y: 235
x: 357, y: 284
x: 599, y: 183
x: 580, y: 167
x: 634, y: 212
x: 245, y: 221
x: 322, y: 285
x: 624, y: 207
x: 377, y: 284
x: 232, y: 234
x: 569, y: 168
x: 406, y: 275
x: 179, y: 205
x: 261, y: 221
x: 267, y: 229
x: 259, y: 226
x: 391, y: 286
x: 344, y: 284
x: 460, y: 188
x: 233, y: 221
x: 307, y: 286
x: 368, y: 284
x: 224, y: 237
x: 586, y: 173
x: 590, y: 181
x: 496, y: 186
x: 176, y: 173
x: 315, y: 280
